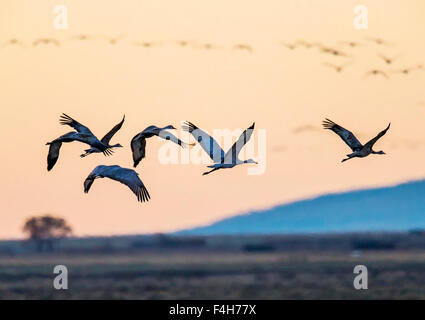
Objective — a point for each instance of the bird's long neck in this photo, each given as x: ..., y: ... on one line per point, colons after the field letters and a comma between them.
x: 166, y: 127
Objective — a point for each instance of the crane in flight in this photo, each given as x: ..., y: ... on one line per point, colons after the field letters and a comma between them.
x: 126, y: 176
x: 359, y: 150
x: 221, y: 159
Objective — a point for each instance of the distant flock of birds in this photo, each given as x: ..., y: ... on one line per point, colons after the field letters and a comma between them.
x: 336, y: 52
x: 113, y: 40
x: 326, y: 49
x: 221, y: 159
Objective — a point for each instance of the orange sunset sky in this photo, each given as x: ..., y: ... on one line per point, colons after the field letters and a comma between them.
x: 281, y: 90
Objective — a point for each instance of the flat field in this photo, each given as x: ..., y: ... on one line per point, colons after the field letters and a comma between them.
x: 206, y: 274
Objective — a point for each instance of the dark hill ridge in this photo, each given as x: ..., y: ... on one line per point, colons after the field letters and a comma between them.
x: 395, y: 208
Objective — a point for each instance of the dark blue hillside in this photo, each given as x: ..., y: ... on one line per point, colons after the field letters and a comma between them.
x: 396, y: 208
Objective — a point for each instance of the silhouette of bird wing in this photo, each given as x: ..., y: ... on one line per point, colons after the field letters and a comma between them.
x: 232, y: 155
x: 128, y: 177
x: 138, y: 148
x: 56, y: 144
x: 53, y: 154
x: 208, y: 143
x: 67, y: 120
x: 347, y: 136
x: 164, y: 134
x: 370, y: 143
x: 107, y: 138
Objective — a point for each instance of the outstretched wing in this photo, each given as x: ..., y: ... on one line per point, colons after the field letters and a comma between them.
x: 105, y: 140
x: 138, y: 148
x: 67, y: 120
x: 164, y: 134
x: 126, y: 176
x: 53, y: 155
x: 88, y: 182
x: 232, y: 155
x: 131, y: 179
x: 210, y: 146
x: 345, y: 135
x: 370, y: 143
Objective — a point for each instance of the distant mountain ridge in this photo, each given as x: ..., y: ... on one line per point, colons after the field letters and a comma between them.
x: 394, y: 208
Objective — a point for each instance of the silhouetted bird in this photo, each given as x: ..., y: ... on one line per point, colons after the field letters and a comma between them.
x: 332, y: 51
x: 128, y: 177
x: 307, y: 44
x: 83, y: 134
x: 46, y: 41
x: 13, y: 42
x: 212, y: 148
x: 106, y: 139
x: 337, y: 68
x: 207, y: 46
x: 82, y: 37
x: 378, y: 41
x: 376, y: 72
x: 388, y: 60
x: 290, y: 46
x: 113, y: 40
x: 359, y: 150
x: 244, y: 47
x: 408, y: 70
x: 182, y: 43
x: 138, y: 143
x: 146, y: 44
x: 352, y: 44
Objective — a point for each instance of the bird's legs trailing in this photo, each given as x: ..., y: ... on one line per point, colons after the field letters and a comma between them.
x: 107, y: 152
x: 347, y: 158
x: 350, y: 156
x: 208, y: 172
x: 88, y: 151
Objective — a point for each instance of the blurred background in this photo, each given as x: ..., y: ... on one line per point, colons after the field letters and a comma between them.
x: 296, y: 231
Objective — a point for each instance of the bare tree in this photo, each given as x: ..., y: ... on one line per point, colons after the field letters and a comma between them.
x: 45, y: 230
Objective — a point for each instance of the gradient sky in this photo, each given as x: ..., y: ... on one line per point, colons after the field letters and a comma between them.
x: 281, y: 90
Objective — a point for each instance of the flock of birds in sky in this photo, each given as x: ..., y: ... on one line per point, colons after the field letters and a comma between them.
x: 221, y: 159
x: 339, y: 50
x: 388, y: 60
x: 129, y: 177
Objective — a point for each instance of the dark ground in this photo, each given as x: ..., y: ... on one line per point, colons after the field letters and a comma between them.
x: 254, y: 267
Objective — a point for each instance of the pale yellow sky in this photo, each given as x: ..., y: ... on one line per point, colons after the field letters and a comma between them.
x: 97, y: 83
